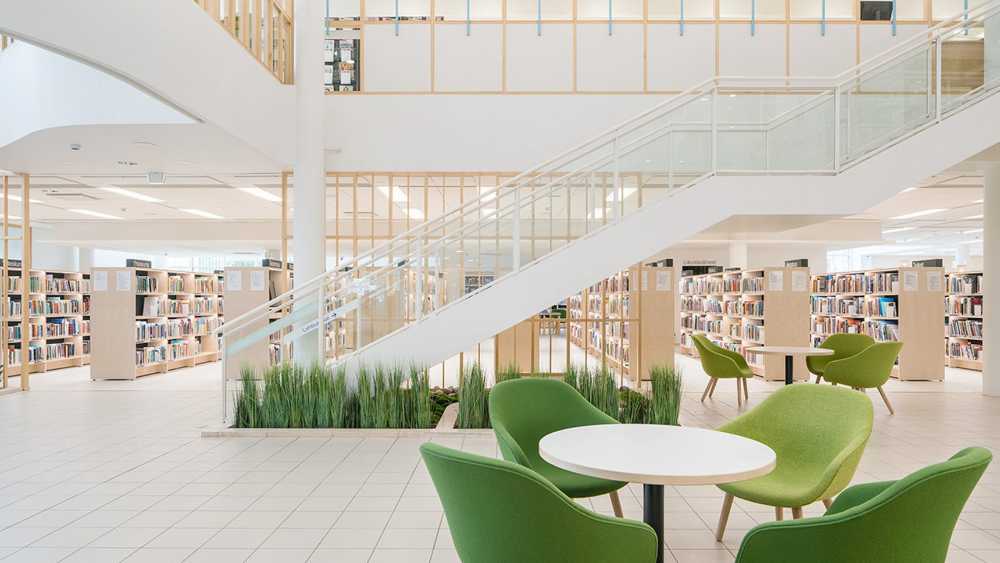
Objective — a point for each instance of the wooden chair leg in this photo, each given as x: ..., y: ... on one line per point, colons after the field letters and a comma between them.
x: 746, y: 390
x: 739, y: 392
x: 797, y: 513
x: 708, y: 388
x: 727, y: 506
x: 779, y: 513
x: 827, y: 503
x: 715, y: 383
x: 616, y: 503
x: 886, y: 400
x: 819, y: 378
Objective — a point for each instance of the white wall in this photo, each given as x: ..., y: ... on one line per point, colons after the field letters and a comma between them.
x: 45, y: 256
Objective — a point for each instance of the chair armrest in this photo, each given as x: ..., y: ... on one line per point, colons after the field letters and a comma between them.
x: 736, y: 358
x: 843, y: 371
x: 853, y: 496
x: 509, y: 448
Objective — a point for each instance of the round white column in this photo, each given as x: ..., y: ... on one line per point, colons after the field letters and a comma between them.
x: 991, y: 282
x: 309, y: 222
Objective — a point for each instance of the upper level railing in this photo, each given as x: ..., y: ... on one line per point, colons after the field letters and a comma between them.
x: 265, y: 28
x: 721, y: 126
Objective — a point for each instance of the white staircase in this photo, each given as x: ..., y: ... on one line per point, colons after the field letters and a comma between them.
x: 728, y: 146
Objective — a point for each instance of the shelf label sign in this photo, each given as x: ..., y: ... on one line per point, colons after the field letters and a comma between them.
x: 935, y: 281
x: 100, y: 280
x: 663, y: 280
x: 776, y: 280
x: 123, y: 280
x: 800, y: 281
x: 911, y: 281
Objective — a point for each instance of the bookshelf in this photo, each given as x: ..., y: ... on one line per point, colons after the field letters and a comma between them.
x: 244, y: 289
x: 626, y: 320
x: 964, y: 320
x: 895, y: 304
x: 738, y: 309
x: 58, y: 320
x: 147, y: 321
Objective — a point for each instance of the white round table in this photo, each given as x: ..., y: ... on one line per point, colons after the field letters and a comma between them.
x: 789, y: 352
x: 657, y: 455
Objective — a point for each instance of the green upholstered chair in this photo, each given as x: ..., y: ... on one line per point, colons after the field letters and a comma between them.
x: 843, y: 346
x: 818, y: 433
x: 868, y: 369
x: 720, y: 363
x: 523, y: 411
x: 501, y: 512
x: 891, y: 522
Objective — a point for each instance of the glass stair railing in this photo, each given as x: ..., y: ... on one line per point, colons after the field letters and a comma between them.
x: 734, y: 126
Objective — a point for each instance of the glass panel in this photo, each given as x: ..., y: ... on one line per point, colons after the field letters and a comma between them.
x: 478, y: 9
x: 962, y: 65
x: 344, y: 9
x: 802, y: 138
x: 887, y: 102
x: 551, y: 9
x: 910, y: 10
x: 386, y: 9
x: 671, y: 9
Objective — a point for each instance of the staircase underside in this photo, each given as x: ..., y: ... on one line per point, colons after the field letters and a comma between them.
x: 460, y: 325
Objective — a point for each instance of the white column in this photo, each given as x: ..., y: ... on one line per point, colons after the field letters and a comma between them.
x: 991, y: 282
x: 309, y: 223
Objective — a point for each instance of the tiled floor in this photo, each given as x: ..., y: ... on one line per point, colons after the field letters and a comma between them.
x: 117, y: 471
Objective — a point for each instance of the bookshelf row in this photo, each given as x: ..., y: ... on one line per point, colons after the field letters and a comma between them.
x: 58, y: 309
x: 739, y: 309
x: 895, y: 304
x: 148, y: 321
x: 964, y: 320
x: 624, y: 320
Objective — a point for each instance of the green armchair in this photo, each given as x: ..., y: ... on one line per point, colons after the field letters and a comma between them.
x: 523, y: 411
x: 818, y: 433
x: 501, y: 512
x: 868, y: 369
x: 891, y: 522
x: 843, y: 346
x: 720, y: 363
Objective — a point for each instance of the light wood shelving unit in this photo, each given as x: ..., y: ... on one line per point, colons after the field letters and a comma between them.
x: 895, y: 304
x: 964, y: 320
x: 147, y: 321
x: 739, y: 309
x: 626, y: 321
x: 59, y: 320
x: 244, y: 289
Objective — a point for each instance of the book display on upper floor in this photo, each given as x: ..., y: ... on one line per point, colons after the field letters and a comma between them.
x: 149, y: 321
x: 903, y: 304
x: 740, y: 309
x: 964, y: 320
x: 59, y: 311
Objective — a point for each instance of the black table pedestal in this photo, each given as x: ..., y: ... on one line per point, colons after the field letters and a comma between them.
x: 652, y: 514
x: 788, y: 369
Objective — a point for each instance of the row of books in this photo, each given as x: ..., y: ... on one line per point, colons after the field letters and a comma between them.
x: 35, y: 307
x: 882, y: 307
x: 206, y: 285
x: 61, y: 306
x: 181, y: 349
x: 66, y: 285
x: 35, y: 330
x: 882, y: 331
x: 754, y: 307
x: 965, y: 350
x: 146, y: 331
x: 151, y: 306
x: 731, y: 284
x: 149, y: 355
x: 205, y: 325
x: 703, y: 324
x: 965, y: 306
x: 702, y: 286
x: 146, y: 284
x: 882, y: 282
x: 179, y: 328
x: 965, y: 283
x: 178, y: 307
x: 965, y: 329
x: 753, y: 331
x: 752, y: 285
x: 61, y: 350
x: 66, y: 327
x: 822, y: 305
x: 203, y: 305
x: 36, y: 353
x: 824, y: 325
x: 851, y: 306
x: 175, y: 284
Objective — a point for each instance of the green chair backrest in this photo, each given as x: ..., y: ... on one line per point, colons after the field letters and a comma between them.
x: 869, y: 368
x: 523, y: 411
x: 501, y: 512
x: 911, y: 519
x: 716, y: 360
x: 820, y: 429
x: 843, y: 346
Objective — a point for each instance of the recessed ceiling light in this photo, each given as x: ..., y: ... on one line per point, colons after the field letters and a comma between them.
x: 973, y: 217
x: 262, y: 194
x: 898, y: 230
x: 94, y: 214
x: 398, y: 195
x: 131, y: 194
x: 918, y: 213
x: 626, y: 192
x: 201, y: 213
x: 18, y: 198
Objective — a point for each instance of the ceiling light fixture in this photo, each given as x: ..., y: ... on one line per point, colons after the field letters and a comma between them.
x: 398, y: 195
x: 97, y: 214
x: 898, y: 230
x: 923, y: 213
x: 259, y: 193
x: 201, y: 213
x: 131, y: 194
